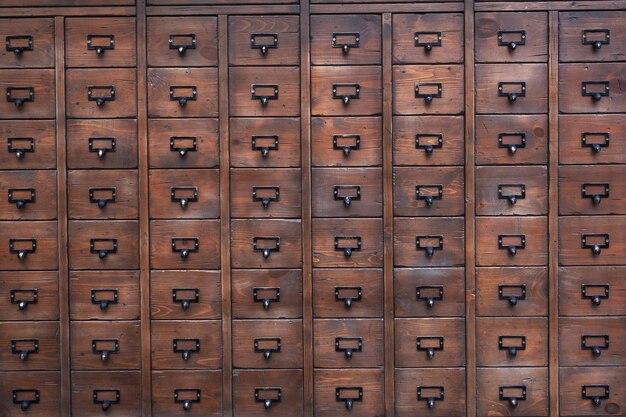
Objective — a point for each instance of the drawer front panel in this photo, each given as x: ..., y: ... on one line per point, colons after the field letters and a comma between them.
x: 436, y: 292
x: 95, y: 93
x: 511, y: 191
x: 185, y: 295
x: 337, y: 92
x: 267, y: 294
x: 446, y: 386
x: 429, y: 242
x: 341, y: 293
x: 170, y: 43
x: 46, y: 384
x: 592, y: 190
x: 428, y: 191
x: 100, y: 295
x: 592, y: 341
x: 355, y: 343
x: 426, y: 140
x: 512, y: 292
x: 29, y: 346
x: 170, y: 390
x: 21, y: 36
x: 336, y: 243
x: 334, y: 389
x: 101, y: 144
x: 29, y: 94
x: 266, y: 243
x: 334, y: 40
x: 29, y: 248
x: 593, y: 381
x: 583, y: 240
x: 275, y: 392
x: 28, y: 195
x: 184, y: 244
x: 435, y: 89
x: 104, y: 244
x: 249, y: 34
x: 595, y: 88
x: 103, y: 194
x: 347, y: 192
x: 100, y: 42
x: 511, y: 241
x: 591, y: 291
x: 259, y: 91
x: 28, y: 144
x: 29, y: 295
x: 429, y: 342
x: 266, y: 193
x: 512, y: 341
x: 342, y: 141
x: 586, y: 139
x: 184, y: 194
x: 105, y: 387
x: 200, y: 342
x: 504, y: 140
x: 583, y: 36
x: 267, y: 344
x: 512, y: 382
x: 182, y: 92
x: 267, y: 142
x: 104, y: 346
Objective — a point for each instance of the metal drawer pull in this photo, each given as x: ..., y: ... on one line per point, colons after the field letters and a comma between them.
x: 429, y: 193
x: 105, y: 347
x: 596, y: 242
x: 513, y: 394
x: 429, y: 244
x: 266, y: 245
x: 428, y: 40
x: 100, y: 43
x: 103, y: 247
x: 604, y: 137
x: 348, y: 244
x: 102, y: 196
x: 512, y: 293
x: 100, y: 94
x: 185, y: 296
x: 20, y: 95
x: 596, y: 37
x: 428, y: 91
x: 21, y: 196
x: 350, y: 40
x: 511, y: 38
x: 512, y: 243
x: 261, y: 89
x: 348, y: 295
x: 429, y: 344
x: 260, y: 41
x: 106, y: 397
x: 348, y: 395
x: 596, y: 343
x: 596, y: 393
x: 26, y: 397
x: 595, y: 89
x: 19, y: 146
x: 342, y: 193
x: 19, y: 43
x: 347, y: 143
x: 346, y: 92
x: 504, y: 141
x: 430, y: 394
x: 185, y: 245
x: 595, y: 191
x: 595, y: 292
x: 104, y: 297
x: 267, y: 346
x: 183, y: 195
x: 265, y: 195
x: 24, y: 347
x: 264, y: 144
x: 429, y: 294
x: 268, y: 396
x: 266, y: 295
x: 182, y: 42
x: 348, y: 345
x: 520, y: 91
x: 512, y: 344
x: 24, y: 297
x: 183, y: 94
x: 183, y: 144
x: 101, y: 145
x: 186, y: 347
x: 511, y: 192
x: 22, y: 247
x: 428, y: 142
x: 187, y: 396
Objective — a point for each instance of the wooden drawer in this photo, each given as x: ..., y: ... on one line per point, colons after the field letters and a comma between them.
x: 185, y: 295
x: 435, y: 89
x: 266, y: 193
x: 264, y: 40
x: 182, y: 41
x: 184, y: 194
x: 182, y: 92
x: 429, y: 342
x: 28, y: 195
x: 586, y: 139
x: 113, y: 93
x: 30, y: 346
x: 511, y: 88
x: 336, y: 91
x: 517, y: 341
x: 592, y: 189
x: 513, y: 383
x: 353, y: 293
x: 186, y: 344
x: 592, y: 88
x: 185, y: 244
x: 446, y: 387
x: 583, y: 240
x: 343, y: 141
x: 102, y: 144
x: 429, y: 241
x: 436, y: 292
x: 519, y: 190
x: 268, y: 392
x: 29, y: 43
x: 347, y: 243
x: 38, y: 392
x: 346, y: 40
x: 183, y: 143
x: 100, y: 295
x: 594, y: 382
x: 260, y: 91
x: 267, y: 293
x: 354, y: 343
x: 30, y: 94
x: 428, y: 191
x: 592, y: 341
x: 592, y: 36
x: 504, y: 140
x: 268, y: 142
x: 170, y: 390
x: 592, y: 291
x: 267, y: 344
x: 266, y: 243
x: 103, y: 194
x: 29, y: 246
x: 104, y: 244
x: 29, y: 295
x: 428, y: 38
x: 104, y: 346
x: 512, y: 292
x: 511, y: 37
x: 347, y: 192
x: 114, y: 393
x: 349, y: 392
x: 428, y: 140
x: 100, y: 42
x: 511, y: 241
x: 30, y: 144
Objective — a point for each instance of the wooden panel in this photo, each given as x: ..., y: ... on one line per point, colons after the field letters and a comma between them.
x: 246, y: 382
x: 169, y: 290
x: 23, y: 286
x: 347, y: 192
x: 574, y: 379
x: 30, y: 195
x: 280, y: 187
x: 512, y: 292
x: 208, y: 383
x: 48, y: 384
x: 267, y: 344
x: 573, y: 251
x: 38, y: 242
x: 334, y: 141
x: 171, y: 238
x: 278, y: 293
x: 103, y: 133
x: 287, y: 254
x: 513, y: 341
x: 91, y: 340
x: 414, y: 338
x: 117, y: 86
x: 104, y: 295
x: 354, y: 343
x: 184, y: 194
x: 280, y: 34
x: 116, y: 37
x: 103, y: 194
x: 328, y: 381
x: 428, y: 191
x: 595, y: 282
x: 580, y: 30
x: 30, y: 346
x: 42, y: 32
x: 490, y: 381
x: 84, y: 384
x: 496, y: 237
x: 331, y: 86
x: 341, y: 293
x: 515, y: 190
x: 425, y: 149
x: 576, y: 147
x: 346, y: 253
x: 171, y: 92
x: 440, y: 241
x: 200, y: 340
x: 38, y: 105
x: 592, y: 189
x: 430, y: 282
x: 115, y: 244
x: 451, y: 380
x: 366, y: 27
x: 594, y: 79
x: 592, y: 341
x: 407, y: 79
x: 42, y: 155
x: 248, y: 151
x: 171, y: 144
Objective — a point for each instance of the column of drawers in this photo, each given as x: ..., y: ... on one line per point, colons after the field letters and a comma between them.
x: 29, y: 330
x: 592, y: 196
x: 266, y: 226
x: 511, y: 208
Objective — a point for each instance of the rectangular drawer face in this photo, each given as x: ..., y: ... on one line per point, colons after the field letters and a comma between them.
x: 428, y: 191
x: 445, y: 386
x: 104, y: 244
x: 260, y: 91
x: 512, y: 292
x: 341, y: 293
x: 184, y: 194
x: 428, y: 38
x: 592, y: 36
x: 29, y: 43
x: 31, y: 295
x: 266, y: 243
x: 347, y: 243
x: 436, y: 89
x: 338, y: 91
x: 346, y: 40
x: 182, y: 92
x: 595, y: 382
x: 29, y: 248
x: 429, y: 342
x: 341, y: 141
x: 355, y: 343
x: 28, y: 144
x: 189, y: 41
x: 429, y: 241
x: 437, y: 292
x: 200, y: 342
x: 347, y: 192
x: 592, y: 291
x: 29, y: 346
x: 585, y: 88
x: 103, y: 194
x: 30, y: 94
x: 592, y: 240
x: 266, y: 193
x: 268, y: 142
x: 511, y: 88
x: 267, y: 344
x: 96, y: 93
x: 586, y: 139
x: 264, y: 40
x: 99, y: 295
x: 513, y: 382
x: 100, y: 42
x: 277, y: 391
x: 519, y: 139
x: 170, y: 390
x: 592, y: 189
x: 185, y: 244
x: 511, y: 241
x: 335, y: 389
x: 102, y: 144
x: 428, y: 140
x: 512, y: 342
x: 183, y: 143
x: 28, y: 195
x: 185, y: 295
x: 92, y: 392
x: 27, y: 386
x: 267, y: 293
x: 104, y: 346
x: 592, y: 341
x: 511, y: 190
x: 511, y: 37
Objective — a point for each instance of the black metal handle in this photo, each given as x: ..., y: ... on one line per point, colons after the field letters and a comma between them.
x: 21, y: 196
x: 430, y: 394
x: 268, y: 396
x: 595, y: 292
x: 349, y: 395
x: 348, y: 295
x: 267, y: 346
x: 512, y: 344
x: 182, y: 42
x: 26, y: 397
x: 265, y: 195
x: 595, y: 191
x: 185, y: 246
x: 183, y: 195
x: 346, y: 92
x: 348, y: 244
x: 505, y: 91
x: 512, y: 243
x: 100, y: 43
x: 104, y: 297
x: 20, y: 95
x: 429, y: 344
x: 106, y: 397
x: 257, y: 92
x: 101, y: 145
x: 596, y: 393
x: 347, y: 193
x: 187, y: 396
x: 24, y: 297
x: 186, y: 347
x: 595, y: 89
x: 511, y: 192
x: 429, y: 294
x: 185, y: 296
x: 183, y: 94
x: 266, y: 295
x: 513, y: 394
x: 427, y: 40
x: 429, y: 142
x: 596, y: 242
x: 596, y: 37
x: 102, y: 196
x: 589, y: 140
x: 266, y: 245
x: 347, y: 143
x: 511, y: 38
x: 183, y: 144
x: 512, y: 293
x: 264, y: 41
x: 105, y: 348
x: 506, y: 140
x: 19, y: 43
x: 24, y: 347
x: 22, y: 247
x: 350, y: 40
x: 20, y: 146
x: 348, y: 345
x: 265, y: 144
x: 100, y: 94
x: 103, y: 247
x: 595, y: 343
x: 429, y: 193
x: 428, y: 91
x: 429, y: 244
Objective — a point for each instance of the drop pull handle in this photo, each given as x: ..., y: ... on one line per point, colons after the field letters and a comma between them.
x: 429, y: 142
x: 20, y: 146
x: 101, y: 145
x: 183, y: 195
x: 22, y: 247
x: 20, y: 95
x: 101, y: 94
x: 512, y: 293
x: 595, y: 89
x: 511, y: 192
x: 24, y: 297
x: 427, y: 40
x: 186, y: 347
x: 19, y: 43
x: 264, y: 144
x: 106, y: 397
x: 430, y: 394
x: 512, y: 90
x: 596, y: 393
x: 185, y: 296
x: 595, y: 192
x: 512, y: 141
x: 596, y: 37
x: 182, y: 42
x: 267, y: 346
x: 349, y: 395
x: 266, y: 245
x: 347, y: 143
x: 348, y: 345
x: 24, y: 347
x: 346, y: 41
x: 595, y: 140
x: 264, y: 93
x: 513, y: 394
x: 266, y: 296
x: 595, y: 343
x: 512, y: 243
x: 183, y: 94
x: 348, y: 244
x: 346, y: 92
x: 596, y: 242
x: 103, y: 247
x: 347, y: 194
x: 100, y: 43
x: 428, y: 193
x: 512, y: 344
x: 429, y: 244
x: 264, y: 42
x: 428, y: 91
x: 187, y: 396
x: 348, y: 295
x: 103, y: 297
x: 21, y: 196
x: 102, y: 196
x: 268, y: 396
x: 595, y: 292
x: 105, y: 348
x: 511, y: 38
x: 26, y: 397
x: 185, y: 246
x: 429, y: 344
x: 183, y: 145
x: 265, y: 195
x: 429, y: 294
